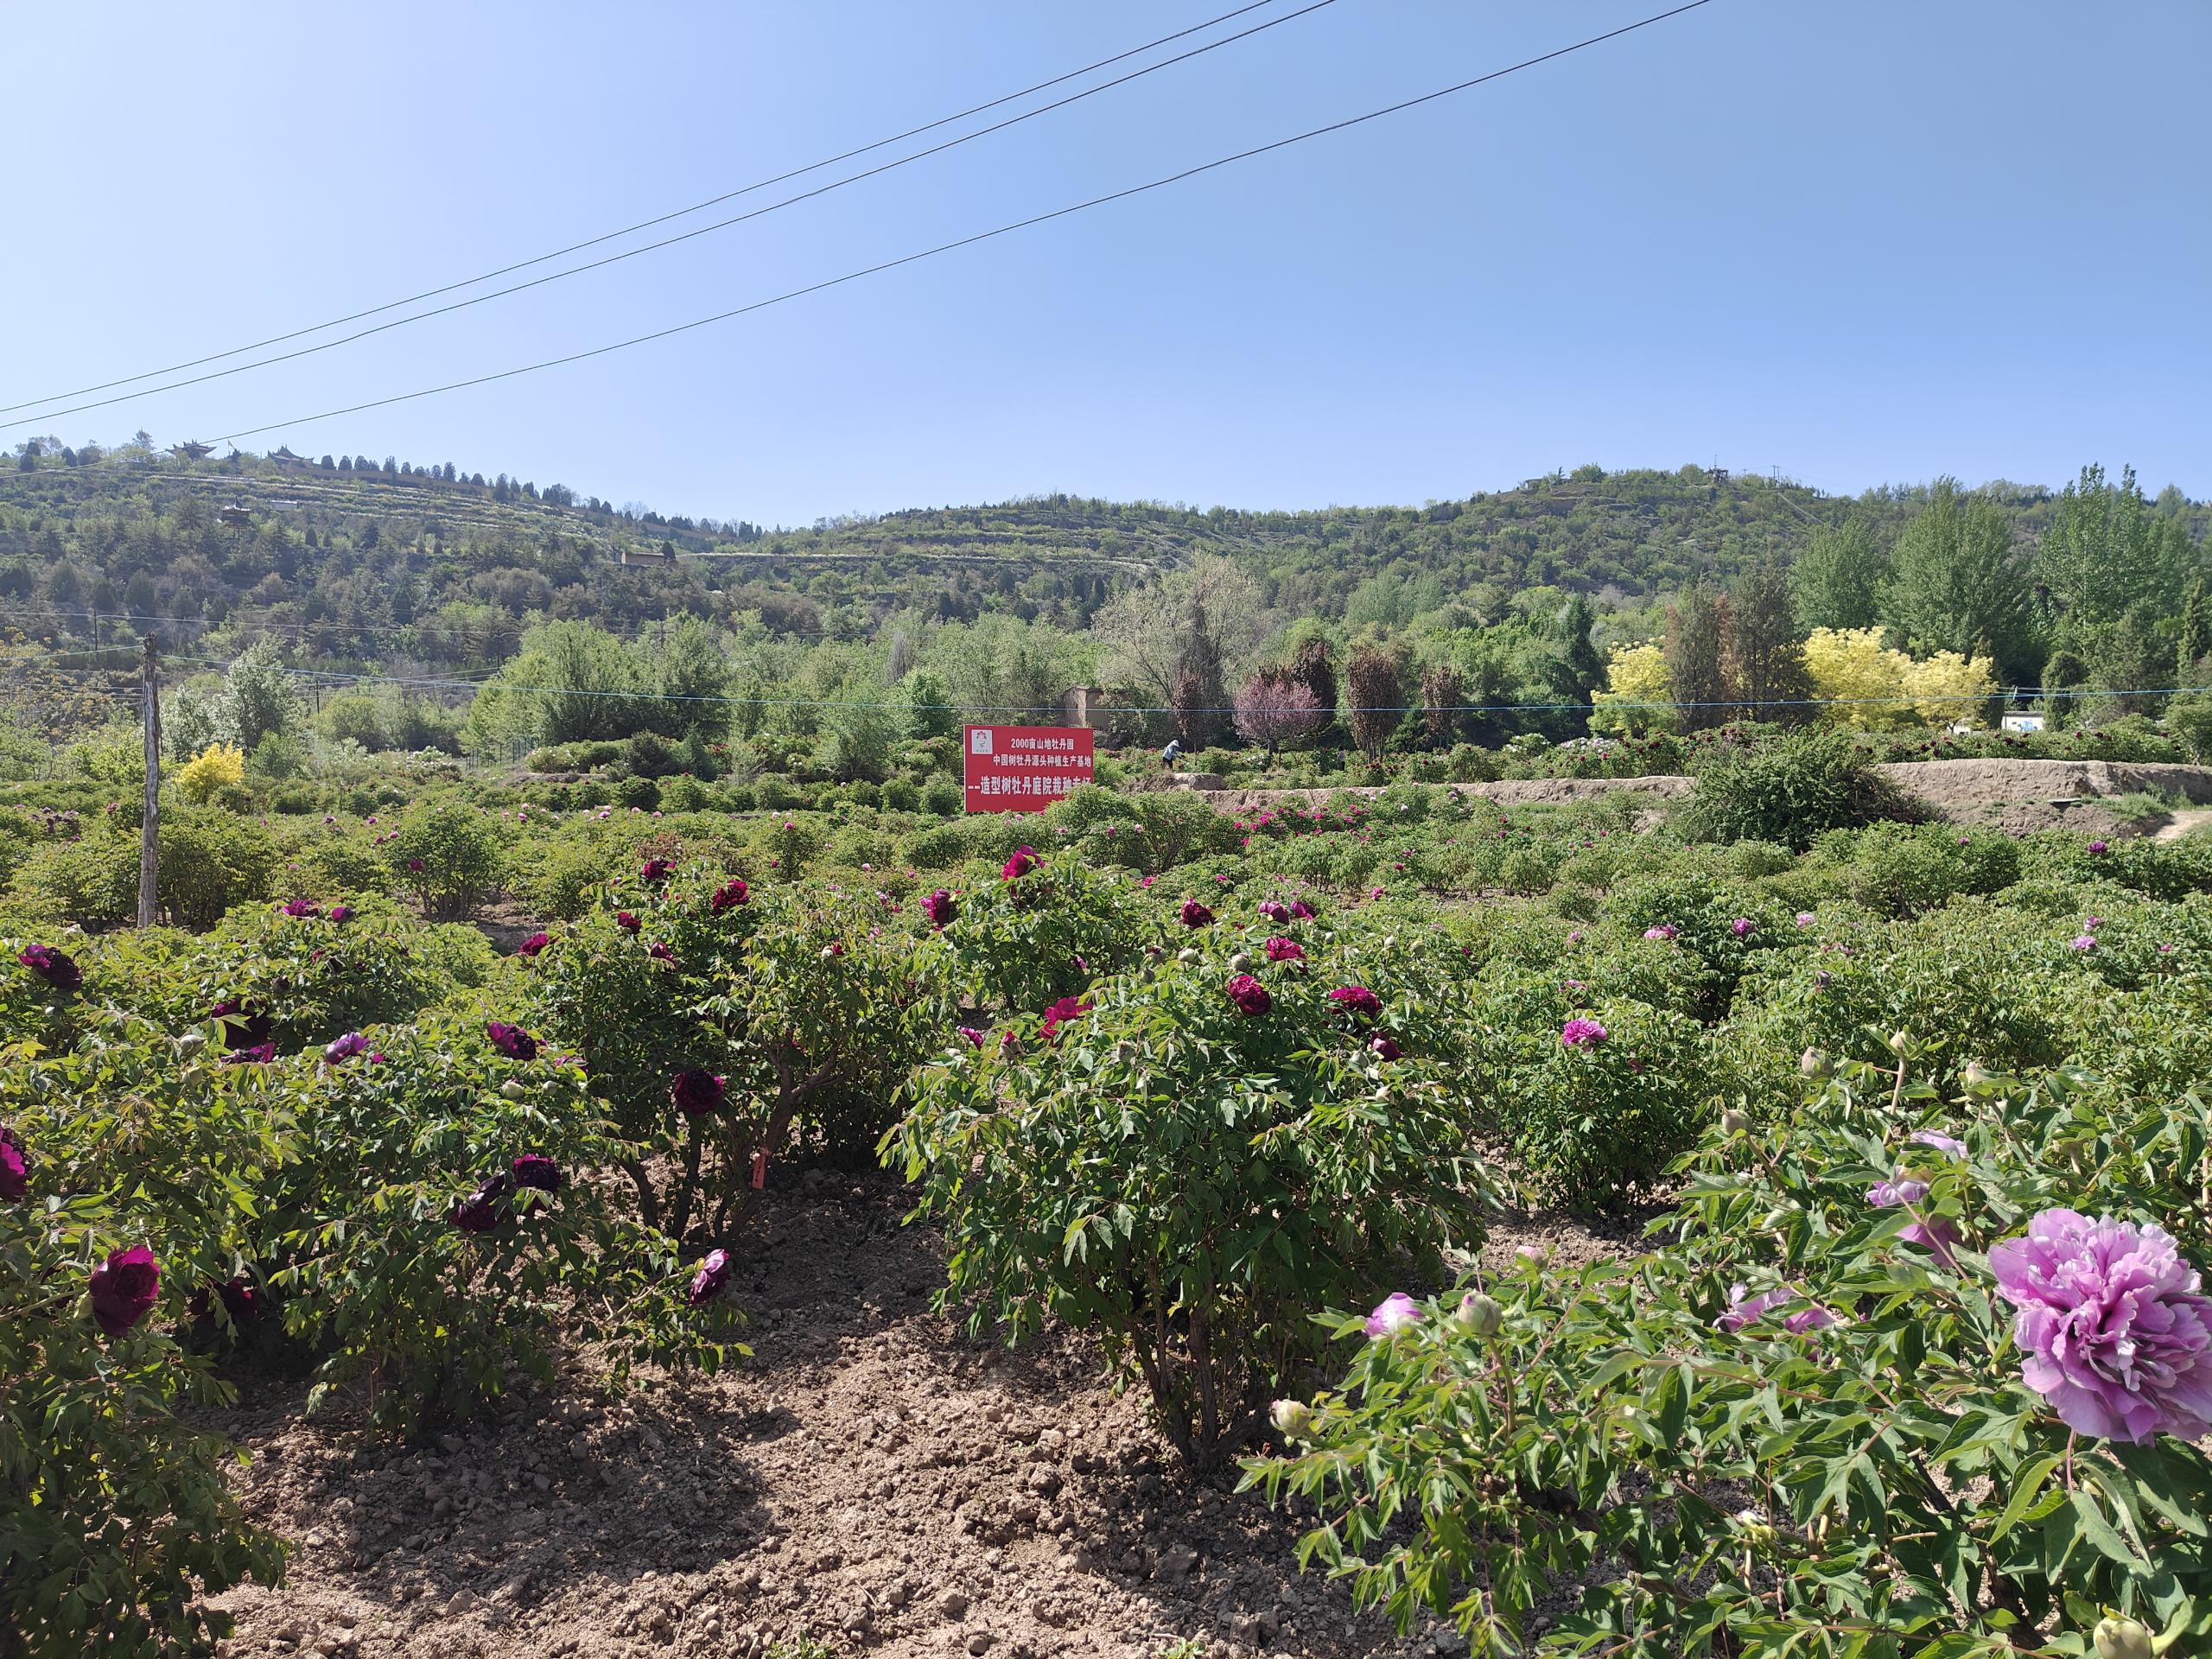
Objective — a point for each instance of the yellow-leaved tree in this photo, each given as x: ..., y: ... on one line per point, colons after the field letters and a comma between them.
x: 1636, y: 699
x: 208, y: 774
x: 1946, y: 688
x: 1866, y: 683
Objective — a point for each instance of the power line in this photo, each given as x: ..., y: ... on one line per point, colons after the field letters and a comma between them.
x: 647, y: 223
x: 666, y: 242
x: 980, y: 236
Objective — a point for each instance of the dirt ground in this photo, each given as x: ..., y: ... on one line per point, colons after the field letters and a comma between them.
x: 872, y: 1479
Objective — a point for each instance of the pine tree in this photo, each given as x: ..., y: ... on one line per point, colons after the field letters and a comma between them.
x: 2193, y: 641
x: 1765, y: 656
x: 1697, y: 658
x: 1201, y: 694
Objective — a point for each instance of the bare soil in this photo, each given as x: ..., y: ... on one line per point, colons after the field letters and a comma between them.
x: 874, y: 1479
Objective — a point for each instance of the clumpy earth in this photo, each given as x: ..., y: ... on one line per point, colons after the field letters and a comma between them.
x: 873, y: 1481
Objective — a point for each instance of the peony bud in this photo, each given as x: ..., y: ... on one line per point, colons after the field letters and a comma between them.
x: 512, y: 1090
x: 1815, y: 1064
x: 1241, y: 963
x: 1735, y: 1123
x: 1188, y: 953
x: 2118, y: 1637
x: 1294, y: 1419
x: 1479, y: 1315
x: 1975, y: 1075
x: 1900, y: 1040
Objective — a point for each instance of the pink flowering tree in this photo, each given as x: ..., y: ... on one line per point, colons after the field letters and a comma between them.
x: 1276, y: 712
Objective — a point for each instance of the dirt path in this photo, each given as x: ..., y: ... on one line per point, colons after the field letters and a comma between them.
x: 872, y: 1479
x: 2187, y: 822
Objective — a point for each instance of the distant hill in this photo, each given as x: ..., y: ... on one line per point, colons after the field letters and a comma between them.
x: 361, y: 563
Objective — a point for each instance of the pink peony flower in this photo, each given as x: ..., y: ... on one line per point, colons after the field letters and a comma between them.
x: 2113, y: 1331
x: 1664, y: 931
x: 1023, y: 861
x: 1806, y: 918
x: 1250, y: 996
x: 1746, y: 1310
x: 1282, y: 949
x: 1942, y: 1143
x: 14, y: 1168
x: 714, y: 1274
x: 52, y: 966
x: 1358, y: 1000
x: 697, y: 1094
x: 1195, y: 914
x: 125, y: 1286
x: 1582, y: 1033
x: 1393, y: 1314
x: 1060, y: 1014
x: 2084, y: 943
x: 1743, y: 927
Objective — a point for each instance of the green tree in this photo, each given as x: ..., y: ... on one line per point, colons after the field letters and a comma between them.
x: 1839, y: 578
x: 689, y: 669
x: 259, y: 697
x: 1766, y: 660
x: 2193, y: 633
x: 1960, y: 585
x: 1697, y: 657
x: 2106, y: 553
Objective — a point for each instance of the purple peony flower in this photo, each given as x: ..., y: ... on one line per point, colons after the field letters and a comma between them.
x: 1743, y: 927
x: 653, y: 871
x: 14, y: 1168
x: 2082, y: 942
x: 1195, y: 914
x: 1281, y: 950
x: 1382, y: 1047
x: 2091, y: 923
x: 1358, y: 1000
x: 52, y: 966
x: 1302, y: 911
x: 732, y: 893
x: 1250, y: 996
x: 251, y: 1054
x: 2112, y: 1329
x: 300, y: 907
x: 1023, y: 861
x: 697, y: 1094
x: 714, y: 1274
x: 486, y: 1207
x: 530, y: 946
x: 1066, y: 1009
x: 940, y: 908
x: 511, y: 1041
x: 341, y: 1048
x: 415, y: 866
x: 536, y: 1171
x: 341, y: 912
x: 2097, y: 847
x: 1275, y: 910
x: 1942, y: 1143
x: 1806, y: 918
x: 1904, y: 1192
x: 1664, y: 931
x: 1582, y: 1033
x: 1746, y: 1310
x: 125, y: 1286
x: 1393, y: 1314
x: 627, y: 921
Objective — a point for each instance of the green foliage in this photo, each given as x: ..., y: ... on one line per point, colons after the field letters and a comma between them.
x: 1788, y: 791
x: 449, y: 856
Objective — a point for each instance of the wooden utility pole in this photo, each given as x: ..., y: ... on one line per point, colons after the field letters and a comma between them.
x: 150, y: 821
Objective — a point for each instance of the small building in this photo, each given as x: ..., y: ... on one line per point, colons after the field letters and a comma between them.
x: 2021, y: 723
x: 1079, y: 706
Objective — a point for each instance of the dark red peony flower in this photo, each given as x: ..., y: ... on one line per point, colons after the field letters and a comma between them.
x: 1383, y: 1048
x: 1275, y: 910
x: 728, y: 896
x: 299, y: 907
x: 696, y: 1094
x: 536, y: 1172
x: 1023, y: 861
x: 533, y: 945
x: 52, y: 966
x: 486, y: 1207
x: 253, y: 1054
x: 658, y: 951
x: 1250, y: 996
x: 1195, y: 914
x: 1281, y: 950
x: 1358, y: 999
x: 654, y: 872
x: 627, y: 921
x: 125, y: 1286
x: 940, y: 908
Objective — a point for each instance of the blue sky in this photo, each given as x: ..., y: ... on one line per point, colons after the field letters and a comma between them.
x: 1856, y: 241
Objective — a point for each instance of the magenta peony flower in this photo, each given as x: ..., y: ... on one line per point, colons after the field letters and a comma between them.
x: 251, y: 1054
x: 1195, y: 914
x: 52, y: 966
x: 341, y: 912
x: 1383, y: 1048
x: 2091, y: 923
x: 974, y: 1034
x: 415, y: 866
x: 1067, y: 1008
x: 1281, y: 950
x: 486, y: 1207
x: 1393, y: 1314
x: 2113, y: 1331
x: 298, y: 907
x: 530, y: 946
x: 1664, y: 931
x: 714, y: 1274
x: 1250, y: 996
x: 627, y: 921
x: 1302, y: 911
x: 1275, y: 910
x: 940, y: 908
x: 536, y: 1171
x: 1744, y: 1310
x: 658, y: 951
x: 341, y: 1048
x: 732, y: 893
x: 697, y: 1094
x: 14, y: 1168
x: 1743, y: 927
x: 1023, y: 861
x: 1582, y: 1033
x: 2097, y: 847
x: 125, y: 1286
x: 653, y: 871
x: 511, y: 1041
x: 2083, y: 942
x: 1358, y: 1000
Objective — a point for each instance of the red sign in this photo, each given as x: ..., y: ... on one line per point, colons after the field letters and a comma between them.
x: 1024, y: 768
